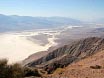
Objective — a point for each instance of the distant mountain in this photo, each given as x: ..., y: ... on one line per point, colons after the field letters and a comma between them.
x: 14, y: 22
x: 100, y: 21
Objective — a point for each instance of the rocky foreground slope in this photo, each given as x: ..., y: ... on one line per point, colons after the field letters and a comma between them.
x: 69, y: 54
x: 90, y: 67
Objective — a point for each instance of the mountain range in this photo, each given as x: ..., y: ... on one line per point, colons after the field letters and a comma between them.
x: 17, y: 23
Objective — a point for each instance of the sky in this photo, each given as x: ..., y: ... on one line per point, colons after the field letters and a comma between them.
x: 78, y: 9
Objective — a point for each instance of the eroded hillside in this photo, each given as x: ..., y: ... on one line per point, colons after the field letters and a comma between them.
x: 90, y: 67
x: 68, y: 54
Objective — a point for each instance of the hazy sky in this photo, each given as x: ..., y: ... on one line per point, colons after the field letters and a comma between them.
x: 79, y: 9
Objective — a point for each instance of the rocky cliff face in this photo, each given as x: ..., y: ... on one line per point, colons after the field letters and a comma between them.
x: 90, y: 67
x: 67, y: 54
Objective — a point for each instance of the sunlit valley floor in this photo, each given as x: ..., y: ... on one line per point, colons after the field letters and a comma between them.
x: 16, y: 46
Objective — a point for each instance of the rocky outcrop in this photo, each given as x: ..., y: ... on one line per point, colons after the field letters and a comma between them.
x: 69, y: 53
x: 90, y: 67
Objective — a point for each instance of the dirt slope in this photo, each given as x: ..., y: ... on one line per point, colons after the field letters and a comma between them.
x: 90, y: 67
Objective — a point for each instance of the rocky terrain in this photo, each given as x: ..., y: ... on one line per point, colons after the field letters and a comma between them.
x: 68, y: 54
x: 90, y: 67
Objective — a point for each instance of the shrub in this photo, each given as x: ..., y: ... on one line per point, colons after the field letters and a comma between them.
x: 3, y: 68
x: 10, y: 71
x: 16, y: 70
x: 31, y: 72
x: 58, y: 71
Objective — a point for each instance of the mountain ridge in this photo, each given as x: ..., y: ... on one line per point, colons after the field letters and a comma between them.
x: 90, y: 67
x: 68, y: 54
x: 17, y: 23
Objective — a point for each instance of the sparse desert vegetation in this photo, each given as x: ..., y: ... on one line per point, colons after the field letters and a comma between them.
x: 16, y: 70
x: 91, y: 67
x: 10, y: 71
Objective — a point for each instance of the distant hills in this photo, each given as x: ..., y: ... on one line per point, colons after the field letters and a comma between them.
x: 100, y: 21
x: 15, y: 23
